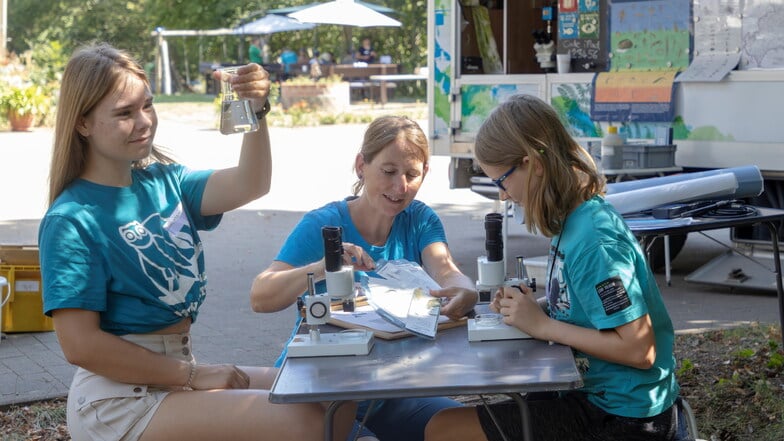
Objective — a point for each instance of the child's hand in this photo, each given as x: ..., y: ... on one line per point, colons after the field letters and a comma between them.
x: 519, y: 308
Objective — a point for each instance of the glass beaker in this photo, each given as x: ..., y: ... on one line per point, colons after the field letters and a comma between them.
x: 236, y: 114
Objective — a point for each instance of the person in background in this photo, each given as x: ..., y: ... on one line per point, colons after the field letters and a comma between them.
x: 254, y: 51
x: 383, y: 220
x: 601, y: 296
x: 287, y: 58
x: 315, y: 65
x: 302, y: 56
x: 365, y: 53
x: 123, y: 273
x: 326, y: 58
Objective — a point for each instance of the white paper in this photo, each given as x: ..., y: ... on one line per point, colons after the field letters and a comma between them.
x: 655, y: 224
x: 412, y: 309
x: 367, y: 317
x: 713, y: 66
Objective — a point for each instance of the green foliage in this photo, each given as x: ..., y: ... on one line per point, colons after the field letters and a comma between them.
x: 332, y: 79
x: 54, y: 28
x: 776, y: 362
x: 24, y: 100
x: 733, y: 380
x: 686, y: 367
x: 48, y: 62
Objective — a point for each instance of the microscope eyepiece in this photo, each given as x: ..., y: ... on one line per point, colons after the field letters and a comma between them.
x: 494, y: 241
x: 333, y: 248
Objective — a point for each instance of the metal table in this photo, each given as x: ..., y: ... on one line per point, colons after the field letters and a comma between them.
x: 416, y: 367
x: 382, y: 79
x: 767, y: 216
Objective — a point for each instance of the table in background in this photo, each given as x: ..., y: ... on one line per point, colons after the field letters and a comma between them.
x: 417, y: 367
x: 382, y: 80
x: 767, y: 216
x: 619, y: 174
x: 358, y: 72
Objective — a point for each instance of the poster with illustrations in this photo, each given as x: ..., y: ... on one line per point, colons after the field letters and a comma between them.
x: 649, y: 35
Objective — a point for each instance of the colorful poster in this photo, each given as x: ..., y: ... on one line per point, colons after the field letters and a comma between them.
x: 443, y: 67
x: 568, y: 26
x: 589, y: 6
x: 633, y: 96
x: 572, y: 101
x: 478, y: 100
x: 589, y: 25
x: 581, y: 31
x: 567, y: 5
x: 649, y: 35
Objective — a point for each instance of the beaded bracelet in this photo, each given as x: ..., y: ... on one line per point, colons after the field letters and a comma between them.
x: 191, y: 376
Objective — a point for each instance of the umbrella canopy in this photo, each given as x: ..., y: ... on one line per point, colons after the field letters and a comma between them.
x: 343, y: 12
x: 272, y: 23
x: 290, y: 9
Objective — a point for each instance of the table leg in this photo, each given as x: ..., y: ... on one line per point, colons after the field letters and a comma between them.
x: 525, y: 416
x: 667, y: 272
x: 383, y: 92
x: 774, y: 239
x: 329, y: 419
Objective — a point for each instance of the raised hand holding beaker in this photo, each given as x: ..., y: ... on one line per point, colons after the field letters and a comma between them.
x: 237, y: 114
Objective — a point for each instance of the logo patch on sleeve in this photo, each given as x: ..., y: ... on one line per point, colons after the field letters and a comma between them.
x: 613, y: 295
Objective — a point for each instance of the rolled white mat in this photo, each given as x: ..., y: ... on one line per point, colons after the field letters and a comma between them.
x: 646, y: 198
x: 749, y: 177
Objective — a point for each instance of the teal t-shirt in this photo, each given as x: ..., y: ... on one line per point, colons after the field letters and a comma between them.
x: 413, y: 229
x: 598, y: 278
x: 133, y: 254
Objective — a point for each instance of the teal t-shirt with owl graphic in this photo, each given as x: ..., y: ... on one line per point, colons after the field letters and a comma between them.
x: 133, y: 253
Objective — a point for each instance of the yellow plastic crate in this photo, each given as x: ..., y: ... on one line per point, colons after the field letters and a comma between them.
x: 24, y: 310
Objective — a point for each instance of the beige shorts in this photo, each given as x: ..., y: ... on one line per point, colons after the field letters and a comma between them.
x: 102, y: 409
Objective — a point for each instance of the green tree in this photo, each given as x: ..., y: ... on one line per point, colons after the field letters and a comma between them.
x: 129, y: 25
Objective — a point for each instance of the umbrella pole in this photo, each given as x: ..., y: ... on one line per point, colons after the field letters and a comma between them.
x: 348, y: 35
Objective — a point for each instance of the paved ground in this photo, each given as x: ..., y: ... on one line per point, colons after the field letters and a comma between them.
x: 312, y: 166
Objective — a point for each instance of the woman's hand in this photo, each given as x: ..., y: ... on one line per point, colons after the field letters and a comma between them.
x: 355, y: 256
x: 520, y: 309
x: 459, y: 301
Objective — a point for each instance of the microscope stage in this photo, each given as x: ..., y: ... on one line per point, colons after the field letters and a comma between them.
x: 499, y: 331
x: 331, y: 344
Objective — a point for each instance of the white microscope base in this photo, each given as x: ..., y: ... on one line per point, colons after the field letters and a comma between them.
x: 330, y: 344
x: 500, y: 331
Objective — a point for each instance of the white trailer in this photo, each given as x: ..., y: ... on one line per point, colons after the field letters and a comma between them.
x: 717, y: 124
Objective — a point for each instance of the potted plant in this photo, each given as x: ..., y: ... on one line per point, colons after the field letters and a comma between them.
x: 328, y: 93
x: 22, y: 104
